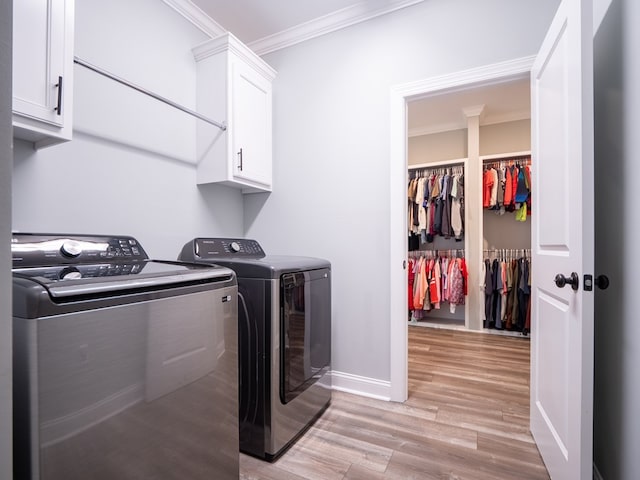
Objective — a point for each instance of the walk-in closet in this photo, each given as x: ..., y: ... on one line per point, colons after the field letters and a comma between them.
x: 469, y: 209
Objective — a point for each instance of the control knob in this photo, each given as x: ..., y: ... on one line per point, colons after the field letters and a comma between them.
x: 235, y: 247
x: 70, y: 273
x: 71, y: 249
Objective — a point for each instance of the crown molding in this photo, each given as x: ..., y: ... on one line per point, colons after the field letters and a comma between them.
x: 229, y: 43
x: 332, y: 22
x: 356, y: 13
x: 441, y: 128
x: 197, y: 17
x: 506, y: 118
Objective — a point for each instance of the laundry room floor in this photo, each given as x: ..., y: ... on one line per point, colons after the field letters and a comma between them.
x: 466, y: 417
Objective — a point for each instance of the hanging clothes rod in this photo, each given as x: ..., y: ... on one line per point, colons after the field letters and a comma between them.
x: 513, y: 158
x: 110, y: 75
x: 436, y: 253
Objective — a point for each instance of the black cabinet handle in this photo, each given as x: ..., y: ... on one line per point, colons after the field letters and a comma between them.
x: 573, y: 280
x: 58, y: 108
x: 240, y: 159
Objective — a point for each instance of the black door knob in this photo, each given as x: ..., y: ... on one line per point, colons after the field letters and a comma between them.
x: 602, y: 282
x: 573, y: 280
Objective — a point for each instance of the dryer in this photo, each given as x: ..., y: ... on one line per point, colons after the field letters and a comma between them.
x: 284, y: 318
x: 124, y: 367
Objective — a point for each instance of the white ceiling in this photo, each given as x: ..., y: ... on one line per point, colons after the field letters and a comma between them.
x: 267, y: 25
x: 503, y: 102
x: 252, y: 20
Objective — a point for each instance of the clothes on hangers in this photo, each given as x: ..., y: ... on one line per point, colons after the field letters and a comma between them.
x: 506, y: 187
x: 457, y: 206
x: 507, y: 294
x: 435, y: 280
x: 435, y: 204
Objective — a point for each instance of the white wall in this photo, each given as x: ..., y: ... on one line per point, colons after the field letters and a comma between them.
x: 617, y: 222
x: 130, y: 168
x: 148, y: 44
x: 5, y: 241
x: 331, y: 147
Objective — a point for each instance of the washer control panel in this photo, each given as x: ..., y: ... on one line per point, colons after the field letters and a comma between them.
x: 32, y: 250
x: 212, y: 248
x: 76, y: 272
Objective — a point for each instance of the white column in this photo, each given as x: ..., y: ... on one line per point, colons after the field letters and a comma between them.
x: 473, y: 218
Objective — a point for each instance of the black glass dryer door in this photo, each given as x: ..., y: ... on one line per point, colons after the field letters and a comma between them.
x: 305, y: 322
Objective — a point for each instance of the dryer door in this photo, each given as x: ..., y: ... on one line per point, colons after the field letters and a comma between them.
x: 305, y: 323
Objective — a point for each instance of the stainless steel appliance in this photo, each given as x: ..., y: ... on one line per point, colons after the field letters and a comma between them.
x: 284, y: 318
x: 124, y: 367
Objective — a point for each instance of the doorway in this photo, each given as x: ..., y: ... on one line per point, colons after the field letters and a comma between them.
x: 401, y: 97
x: 449, y: 136
x: 440, y: 137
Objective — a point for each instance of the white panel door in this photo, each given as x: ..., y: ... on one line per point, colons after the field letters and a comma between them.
x: 563, y: 243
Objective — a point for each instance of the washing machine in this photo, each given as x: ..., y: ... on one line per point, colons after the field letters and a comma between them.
x: 124, y: 367
x: 284, y: 318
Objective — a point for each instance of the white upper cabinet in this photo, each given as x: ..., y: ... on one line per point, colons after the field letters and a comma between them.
x: 234, y: 85
x: 43, y: 70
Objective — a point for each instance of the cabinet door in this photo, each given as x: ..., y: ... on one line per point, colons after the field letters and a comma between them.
x: 250, y: 127
x: 38, y: 58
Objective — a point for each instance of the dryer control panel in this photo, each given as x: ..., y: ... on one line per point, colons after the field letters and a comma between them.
x: 218, y: 248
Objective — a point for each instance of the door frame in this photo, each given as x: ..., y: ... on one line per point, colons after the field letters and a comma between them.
x: 400, y: 95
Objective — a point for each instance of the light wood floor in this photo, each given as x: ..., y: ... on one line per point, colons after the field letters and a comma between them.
x: 466, y: 417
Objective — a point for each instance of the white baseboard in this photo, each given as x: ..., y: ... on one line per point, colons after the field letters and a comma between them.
x: 365, y: 386
x: 596, y: 473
